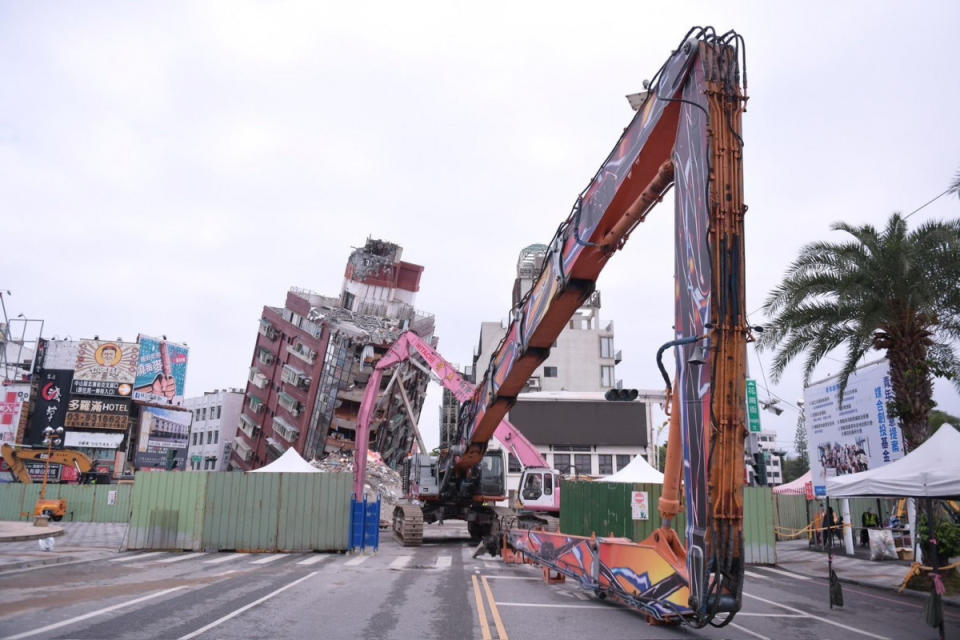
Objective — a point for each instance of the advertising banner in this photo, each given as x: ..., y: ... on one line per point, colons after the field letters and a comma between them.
x: 853, y: 436
x: 36, y: 468
x: 161, y: 372
x: 98, y: 413
x: 51, y: 409
x: 92, y: 440
x: 12, y: 398
x: 105, y: 368
x: 161, y: 431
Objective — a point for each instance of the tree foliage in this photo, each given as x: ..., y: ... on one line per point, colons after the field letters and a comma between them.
x: 800, y: 441
x: 893, y: 290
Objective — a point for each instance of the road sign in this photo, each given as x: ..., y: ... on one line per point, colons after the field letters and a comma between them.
x: 753, y: 407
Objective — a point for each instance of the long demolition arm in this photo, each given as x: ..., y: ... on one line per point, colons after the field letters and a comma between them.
x: 686, y: 134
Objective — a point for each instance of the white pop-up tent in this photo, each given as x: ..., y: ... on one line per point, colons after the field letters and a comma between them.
x: 932, y: 470
x: 289, y: 462
x: 639, y: 470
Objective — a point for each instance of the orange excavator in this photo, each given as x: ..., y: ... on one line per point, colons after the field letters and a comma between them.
x: 686, y: 135
x: 16, y: 458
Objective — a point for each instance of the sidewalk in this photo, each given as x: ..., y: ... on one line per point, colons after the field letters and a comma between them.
x: 796, y: 556
x: 76, y: 542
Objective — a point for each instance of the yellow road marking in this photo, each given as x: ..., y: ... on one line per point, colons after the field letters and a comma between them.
x: 481, y: 610
x: 493, y: 610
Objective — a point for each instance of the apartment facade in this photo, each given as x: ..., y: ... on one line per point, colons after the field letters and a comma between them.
x: 215, y: 417
x: 313, y: 357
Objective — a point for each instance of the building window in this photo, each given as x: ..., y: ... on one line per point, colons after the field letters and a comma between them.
x: 216, y: 437
x: 513, y: 465
x: 348, y: 299
x: 194, y: 438
x: 583, y: 463
x: 561, y: 462
x: 219, y: 408
x: 606, y: 464
x: 549, y: 372
x: 209, y: 437
x: 606, y: 346
x: 606, y: 376
x: 203, y: 413
x: 623, y: 460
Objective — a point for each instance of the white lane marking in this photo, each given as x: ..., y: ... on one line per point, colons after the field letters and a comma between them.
x: 756, y: 575
x: 138, y: 556
x: 224, y: 573
x: 581, y: 596
x: 821, y: 619
x: 400, y: 562
x: 356, y: 561
x: 98, y: 612
x: 560, y: 606
x: 512, y: 578
x: 237, y: 612
x: 314, y: 559
x: 444, y: 562
x: 789, y: 574
x: 745, y: 630
x: 179, y: 558
x: 269, y: 558
x: 225, y: 558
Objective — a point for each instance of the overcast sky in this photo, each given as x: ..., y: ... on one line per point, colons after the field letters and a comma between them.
x: 170, y: 168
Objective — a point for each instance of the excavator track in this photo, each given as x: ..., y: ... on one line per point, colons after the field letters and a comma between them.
x: 408, y: 525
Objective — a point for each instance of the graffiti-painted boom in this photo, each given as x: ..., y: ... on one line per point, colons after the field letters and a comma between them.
x: 686, y: 134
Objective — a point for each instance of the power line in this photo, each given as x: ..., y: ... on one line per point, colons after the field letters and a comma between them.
x: 949, y: 189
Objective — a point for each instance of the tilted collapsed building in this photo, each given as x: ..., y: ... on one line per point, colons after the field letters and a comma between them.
x: 313, y: 358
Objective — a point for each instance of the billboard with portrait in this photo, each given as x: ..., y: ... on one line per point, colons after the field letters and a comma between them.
x: 162, y: 431
x: 855, y: 435
x: 105, y: 368
x: 161, y: 372
x: 12, y: 398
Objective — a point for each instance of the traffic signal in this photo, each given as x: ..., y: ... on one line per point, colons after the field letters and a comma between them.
x: 760, y: 469
x: 621, y: 395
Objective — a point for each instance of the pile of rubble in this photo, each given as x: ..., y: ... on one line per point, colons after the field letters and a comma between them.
x: 381, y: 479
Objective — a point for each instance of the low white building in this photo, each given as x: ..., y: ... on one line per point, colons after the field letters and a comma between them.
x: 216, y: 415
x: 582, y: 433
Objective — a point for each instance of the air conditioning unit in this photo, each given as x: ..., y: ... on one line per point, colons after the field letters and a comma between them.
x: 533, y: 383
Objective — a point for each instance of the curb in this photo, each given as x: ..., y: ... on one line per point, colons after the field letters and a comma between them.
x: 27, y: 564
x: 32, y: 536
x: 950, y: 601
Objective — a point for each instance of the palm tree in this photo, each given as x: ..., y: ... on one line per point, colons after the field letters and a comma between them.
x: 955, y: 185
x: 896, y: 291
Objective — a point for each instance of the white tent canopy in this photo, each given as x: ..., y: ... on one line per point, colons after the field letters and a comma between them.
x: 289, y: 462
x: 639, y: 470
x: 932, y: 470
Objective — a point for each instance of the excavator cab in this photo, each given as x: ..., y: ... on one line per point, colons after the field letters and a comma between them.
x: 492, y: 481
x: 539, y: 489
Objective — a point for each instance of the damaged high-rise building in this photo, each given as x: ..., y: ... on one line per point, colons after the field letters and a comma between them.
x: 313, y: 358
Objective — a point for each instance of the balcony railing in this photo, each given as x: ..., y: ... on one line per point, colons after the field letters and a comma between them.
x: 289, y: 403
x: 268, y: 330
x: 249, y: 427
x: 307, y: 355
x: 242, y: 449
x: 285, y: 430
x: 257, y: 379
x: 256, y: 405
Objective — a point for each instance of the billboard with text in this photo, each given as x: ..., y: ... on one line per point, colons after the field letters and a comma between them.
x: 853, y: 435
x: 162, y: 431
x: 12, y: 398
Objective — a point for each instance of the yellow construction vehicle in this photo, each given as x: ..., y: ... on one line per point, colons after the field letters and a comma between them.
x: 15, y: 458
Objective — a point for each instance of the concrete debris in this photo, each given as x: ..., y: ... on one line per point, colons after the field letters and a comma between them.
x: 381, y: 479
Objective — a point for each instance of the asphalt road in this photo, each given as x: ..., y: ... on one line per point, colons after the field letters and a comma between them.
x: 436, y: 591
